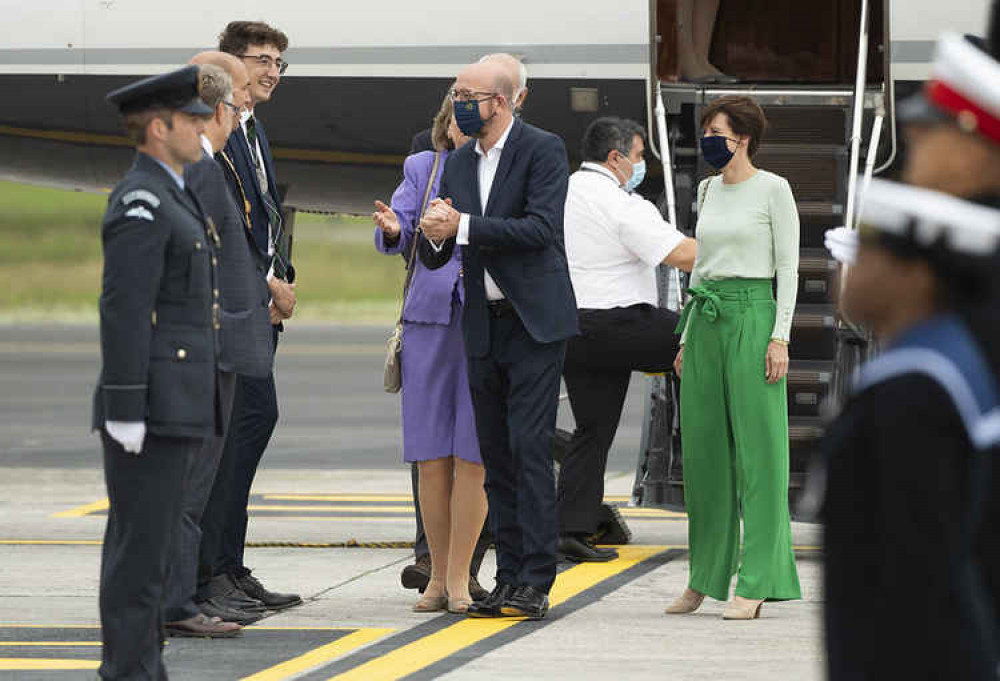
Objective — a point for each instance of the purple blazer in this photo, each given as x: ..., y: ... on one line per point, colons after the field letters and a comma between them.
x: 431, y: 291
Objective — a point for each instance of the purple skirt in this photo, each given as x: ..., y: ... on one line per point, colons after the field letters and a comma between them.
x: 438, y: 420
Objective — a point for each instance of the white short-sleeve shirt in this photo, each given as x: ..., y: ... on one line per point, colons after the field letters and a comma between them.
x: 614, y: 241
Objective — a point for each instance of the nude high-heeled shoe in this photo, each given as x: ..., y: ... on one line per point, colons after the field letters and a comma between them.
x: 689, y: 601
x: 431, y: 604
x: 742, y: 609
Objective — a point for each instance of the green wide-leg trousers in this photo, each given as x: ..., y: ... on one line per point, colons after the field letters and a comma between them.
x: 734, y: 434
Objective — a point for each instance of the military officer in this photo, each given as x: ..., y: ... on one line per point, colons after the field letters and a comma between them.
x: 905, y: 596
x: 156, y: 397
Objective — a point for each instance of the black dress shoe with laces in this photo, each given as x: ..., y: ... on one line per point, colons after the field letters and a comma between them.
x: 528, y: 602
x: 490, y: 606
x: 252, y: 587
x: 580, y: 550
x: 213, y: 608
x: 417, y: 574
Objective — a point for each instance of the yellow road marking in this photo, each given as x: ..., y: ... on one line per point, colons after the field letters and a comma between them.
x: 86, y: 509
x: 27, y: 664
x: 377, y: 497
x: 650, y: 513
x: 426, y: 651
x: 68, y: 644
x: 319, y: 656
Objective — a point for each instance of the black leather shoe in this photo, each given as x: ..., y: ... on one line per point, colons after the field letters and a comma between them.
x: 490, y: 606
x: 417, y: 574
x: 476, y: 589
x: 226, y: 594
x: 213, y: 608
x: 252, y: 587
x: 581, y: 551
x: 528, y: 602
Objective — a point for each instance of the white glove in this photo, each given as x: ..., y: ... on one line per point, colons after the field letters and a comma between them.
x: 842, y: 244
x: 129, y: 434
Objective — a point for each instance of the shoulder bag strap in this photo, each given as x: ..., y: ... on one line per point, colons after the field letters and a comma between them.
x: 411, y: 261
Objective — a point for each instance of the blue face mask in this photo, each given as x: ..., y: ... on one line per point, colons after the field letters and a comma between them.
x: 715, y: 151
x: 467, y: 117
x: 638, y: 175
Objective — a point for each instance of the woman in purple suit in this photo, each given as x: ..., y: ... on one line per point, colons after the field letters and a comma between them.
x: 439, y: 431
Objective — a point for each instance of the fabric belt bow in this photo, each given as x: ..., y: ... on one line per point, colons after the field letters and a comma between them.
x: 708, y: 302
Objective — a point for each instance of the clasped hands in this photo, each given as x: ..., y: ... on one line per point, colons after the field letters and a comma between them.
x: 440, y: 222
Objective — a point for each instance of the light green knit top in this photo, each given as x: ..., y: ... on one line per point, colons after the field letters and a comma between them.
x: 750, y: 230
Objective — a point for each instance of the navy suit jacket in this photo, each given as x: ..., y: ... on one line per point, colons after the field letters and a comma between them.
x: 238, y: 149
x: 517, y: 236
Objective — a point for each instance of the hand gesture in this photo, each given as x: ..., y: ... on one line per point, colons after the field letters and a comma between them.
x: 776, y: 361
x: 386, y: 220
x: 440, y: 222
x: 283, y: 296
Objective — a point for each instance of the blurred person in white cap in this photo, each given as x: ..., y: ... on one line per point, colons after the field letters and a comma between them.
x: 906, y: 458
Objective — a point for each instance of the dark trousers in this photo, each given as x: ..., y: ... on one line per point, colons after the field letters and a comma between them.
x: 224, y: 523
x: 145, y: 493
x: 599, y: 364
x: 515, y: 393
x: 182, y: 575
x: 421, y: 549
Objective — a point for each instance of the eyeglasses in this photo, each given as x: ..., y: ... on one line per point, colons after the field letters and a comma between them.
x: 470, y: 96
x: 267, y: 61
x: 232, y: 107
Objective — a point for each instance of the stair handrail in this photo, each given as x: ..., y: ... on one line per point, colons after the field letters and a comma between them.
x: 660, y: 113
x: 861, y: 78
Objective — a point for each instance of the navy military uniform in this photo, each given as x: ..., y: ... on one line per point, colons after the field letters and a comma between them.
x: 908, y: 462
x: 159, y: 327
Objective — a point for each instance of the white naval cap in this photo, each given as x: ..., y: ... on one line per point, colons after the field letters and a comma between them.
x: 929, y: 219
x: 964, y: 87
x: 917, y: 220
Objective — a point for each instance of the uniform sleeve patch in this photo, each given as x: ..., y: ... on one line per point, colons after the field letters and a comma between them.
x: 141, y: 213
x: 141, y: 195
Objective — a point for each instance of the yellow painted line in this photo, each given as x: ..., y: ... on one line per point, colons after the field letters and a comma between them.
x: 332, y: 508
x: 50, y: 542
x: 67, y: 136
x: 48, y: 644
x: 430, y: 649
x: 650, y: 513
x: 86, y: 509
x: 50, y: 626
x: 31, y: 664
x: 319, y: 656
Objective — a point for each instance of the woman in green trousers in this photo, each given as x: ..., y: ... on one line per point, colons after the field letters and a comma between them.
x: 734, y: 357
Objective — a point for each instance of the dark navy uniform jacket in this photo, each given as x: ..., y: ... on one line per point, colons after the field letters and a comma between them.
x: 159, y: 308
x: 246, y: 322
x: 908, y: 465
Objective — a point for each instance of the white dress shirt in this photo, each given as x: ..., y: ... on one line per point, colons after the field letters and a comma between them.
x: 244, y: 117
x: 489, y: 161
x: 614, y: 241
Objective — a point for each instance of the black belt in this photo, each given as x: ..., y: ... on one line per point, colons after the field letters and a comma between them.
x: 499, y: 308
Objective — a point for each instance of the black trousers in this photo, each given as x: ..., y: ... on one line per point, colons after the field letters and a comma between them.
x: 224, y: 523
x: 599, y: 364
x: 421, y: 549
x: 515, y: 394
x: 145, y: 493
x: 182, y: 575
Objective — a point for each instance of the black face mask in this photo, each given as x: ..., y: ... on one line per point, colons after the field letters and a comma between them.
x: 988, y: 200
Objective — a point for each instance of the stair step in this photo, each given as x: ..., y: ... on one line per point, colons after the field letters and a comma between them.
x: 814, y: 332
x: 808, y: 384
x: 817, y: 276
x: 806, y: 124
x: 804, y: 436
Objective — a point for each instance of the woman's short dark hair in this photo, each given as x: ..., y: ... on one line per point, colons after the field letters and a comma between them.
x: 606, y: 135
x: 439, y: 129
x: 239, y: 35
x: 745, y: 118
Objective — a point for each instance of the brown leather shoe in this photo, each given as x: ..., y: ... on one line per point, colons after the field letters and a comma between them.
x: 201, y: 626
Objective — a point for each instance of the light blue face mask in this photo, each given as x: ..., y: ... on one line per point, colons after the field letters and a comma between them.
x: 638, y: 175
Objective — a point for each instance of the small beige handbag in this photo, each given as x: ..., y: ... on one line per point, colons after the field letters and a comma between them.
x: 392, y: 380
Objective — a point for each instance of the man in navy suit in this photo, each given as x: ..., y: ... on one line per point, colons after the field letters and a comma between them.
x: 226, y: 586
x: 504, y: 197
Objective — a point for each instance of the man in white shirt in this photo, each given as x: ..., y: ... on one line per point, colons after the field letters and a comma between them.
x: 614, y: 242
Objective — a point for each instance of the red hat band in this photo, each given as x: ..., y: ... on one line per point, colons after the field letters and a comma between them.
x: 970, y: 116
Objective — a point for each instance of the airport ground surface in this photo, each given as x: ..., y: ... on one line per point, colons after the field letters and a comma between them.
x: 333, y: 478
